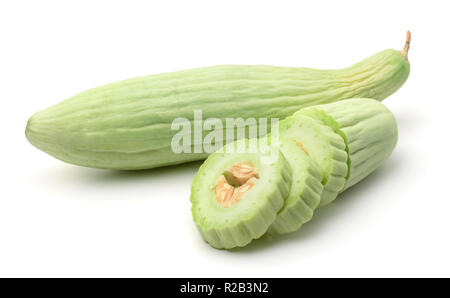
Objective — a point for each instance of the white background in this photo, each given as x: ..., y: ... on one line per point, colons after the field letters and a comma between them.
x: 62, y: 220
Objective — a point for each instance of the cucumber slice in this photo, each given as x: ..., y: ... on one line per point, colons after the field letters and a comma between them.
x: 368, y: 128
x: 325, y: 148
x: 306, y: 189
x: 237, y: 194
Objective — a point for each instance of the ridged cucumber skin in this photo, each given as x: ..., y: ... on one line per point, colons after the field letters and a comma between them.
x: 305, y: 192
x: 127, y: 125
x: 238, y: 225
x: 369, y: 130
x: 326, y: 149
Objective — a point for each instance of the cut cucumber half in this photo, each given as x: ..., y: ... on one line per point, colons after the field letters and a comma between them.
x: 368, y: 128
x: 306, y: 189
x: 237, y: 193
x: 324, y: 146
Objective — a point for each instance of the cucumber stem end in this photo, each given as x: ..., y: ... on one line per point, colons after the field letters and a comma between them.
x: 405, y: 50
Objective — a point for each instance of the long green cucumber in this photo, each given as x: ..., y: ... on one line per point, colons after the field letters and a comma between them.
x: 128, y: 124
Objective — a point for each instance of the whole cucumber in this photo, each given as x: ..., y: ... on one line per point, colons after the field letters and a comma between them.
x: 128, y: 124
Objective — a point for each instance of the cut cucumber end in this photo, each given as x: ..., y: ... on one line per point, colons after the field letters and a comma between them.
x: 368, y: 128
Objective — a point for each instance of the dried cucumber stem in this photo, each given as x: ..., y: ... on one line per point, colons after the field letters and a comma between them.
x: 236, y: 196
x: 405, y: 49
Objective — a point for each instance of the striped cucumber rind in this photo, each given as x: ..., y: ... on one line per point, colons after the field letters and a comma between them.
x: 249, y: 219
x: 369, y: 129
x: 325, y: 147
x: 127, y: 125
x: 306, y: 189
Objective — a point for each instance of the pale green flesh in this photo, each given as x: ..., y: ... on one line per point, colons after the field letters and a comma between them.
x: 325, y: 148
x: 127, y: 125
x: 305, y: 192
x: 250, y: 218
x: 329, y: 121
x: 370, y: 132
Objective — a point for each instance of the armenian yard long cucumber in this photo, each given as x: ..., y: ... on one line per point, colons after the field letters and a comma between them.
x: 237, y: 198
x: 130, y: 124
